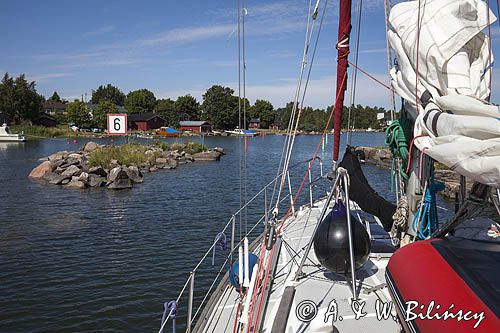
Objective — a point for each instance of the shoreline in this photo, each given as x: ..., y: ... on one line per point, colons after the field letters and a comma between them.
x: 62, y: 131
x: 382, y: 158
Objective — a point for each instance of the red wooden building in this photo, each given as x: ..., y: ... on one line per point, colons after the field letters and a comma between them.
x: 145, y: 121
x: 196, y: 126
x: 275, y: 126
x: 254, y: 123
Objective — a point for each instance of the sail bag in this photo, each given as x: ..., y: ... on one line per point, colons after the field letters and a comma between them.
x: 361, y: 192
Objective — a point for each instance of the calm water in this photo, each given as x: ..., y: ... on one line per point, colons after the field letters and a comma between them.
x: 101, y: 260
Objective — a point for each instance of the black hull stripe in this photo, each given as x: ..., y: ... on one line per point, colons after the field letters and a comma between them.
x: 399, y: 302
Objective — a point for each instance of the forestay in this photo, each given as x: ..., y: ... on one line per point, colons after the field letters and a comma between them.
x: 454, y: 122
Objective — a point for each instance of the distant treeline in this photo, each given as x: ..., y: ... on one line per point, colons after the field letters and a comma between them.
x: 20, y: 101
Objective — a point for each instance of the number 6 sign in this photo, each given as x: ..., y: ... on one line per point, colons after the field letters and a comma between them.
x: 117, y: 124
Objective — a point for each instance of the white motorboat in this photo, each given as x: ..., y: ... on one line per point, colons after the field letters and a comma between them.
x: 242, y: 132
x: 6, y: 136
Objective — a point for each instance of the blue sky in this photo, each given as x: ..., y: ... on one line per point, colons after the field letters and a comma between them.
x: 178, y: 47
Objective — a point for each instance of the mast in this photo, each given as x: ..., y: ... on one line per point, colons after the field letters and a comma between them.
x: 342, y: 53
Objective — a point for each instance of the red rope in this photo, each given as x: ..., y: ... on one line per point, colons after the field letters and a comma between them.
x: 255, y: 289
x: 236, y: 319
x: 409, y: 153
x: 370, y: 76
x: 264, y: 284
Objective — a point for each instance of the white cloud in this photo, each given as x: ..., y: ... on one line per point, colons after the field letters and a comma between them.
x: 280, y: 54
x: 261, y: 20
x: 264, y: 11
x: 46, y: 77
x: 189, y: 34
x: 99, y: 31
x: 64, y: 61
x: 376, y: 50
x: 321, y: 92
x: 67, y: 57
x: 197, y: 92
x: 272, y: 20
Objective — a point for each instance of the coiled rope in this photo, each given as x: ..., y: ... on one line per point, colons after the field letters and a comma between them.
x: 397, y: 138
x: 425, y: 219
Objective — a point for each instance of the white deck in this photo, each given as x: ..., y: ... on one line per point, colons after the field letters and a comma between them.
x: 318, y: 286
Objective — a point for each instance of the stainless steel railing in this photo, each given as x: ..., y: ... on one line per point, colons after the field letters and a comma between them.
x: 234, y: 247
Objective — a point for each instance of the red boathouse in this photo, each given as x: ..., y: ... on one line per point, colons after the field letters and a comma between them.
x: 145, y: 121
x: 196, y: 126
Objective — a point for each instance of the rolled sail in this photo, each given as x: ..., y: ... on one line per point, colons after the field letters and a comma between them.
x: 455, y: 123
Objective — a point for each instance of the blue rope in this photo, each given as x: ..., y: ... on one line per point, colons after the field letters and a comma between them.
x: 425, y: 219
x: 169, y: 306
x: 220, y: 240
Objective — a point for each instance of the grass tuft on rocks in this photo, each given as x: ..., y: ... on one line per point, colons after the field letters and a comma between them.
x: 137, y: 154
x: 162, y: 144
x: 194, y: 148
x: 189, y: 147
x: 129, y: 154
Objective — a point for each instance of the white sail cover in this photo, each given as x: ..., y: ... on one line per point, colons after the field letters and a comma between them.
x: 460, y: 128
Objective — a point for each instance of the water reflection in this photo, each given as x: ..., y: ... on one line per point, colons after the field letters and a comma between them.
x: 101, y: 260
x: 10, y: 145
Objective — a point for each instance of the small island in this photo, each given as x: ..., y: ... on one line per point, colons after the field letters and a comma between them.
x: 117, y: 167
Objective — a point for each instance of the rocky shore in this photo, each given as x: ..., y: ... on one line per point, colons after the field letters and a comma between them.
x: 382, y: 157
x: 76, y: 169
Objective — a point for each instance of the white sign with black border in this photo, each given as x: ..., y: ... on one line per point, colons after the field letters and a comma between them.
x: 117, y: 124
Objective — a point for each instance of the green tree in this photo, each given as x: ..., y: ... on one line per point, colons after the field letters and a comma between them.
x: 140, y: 101
x: 313, y: 119
x: 99, y: 115
x: 189, y: 105
x: 19, y: 99
x: 263, y: 110
x: 7, y: 95
x: 362, y: 117
x: 55, y: 98
x: 109, y: 92
x: 166, y: 108
x: 221, y: 107
x: 78, y: 113
x: 60, y: 118
x: 284, y: 114
x: 28, y: 102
